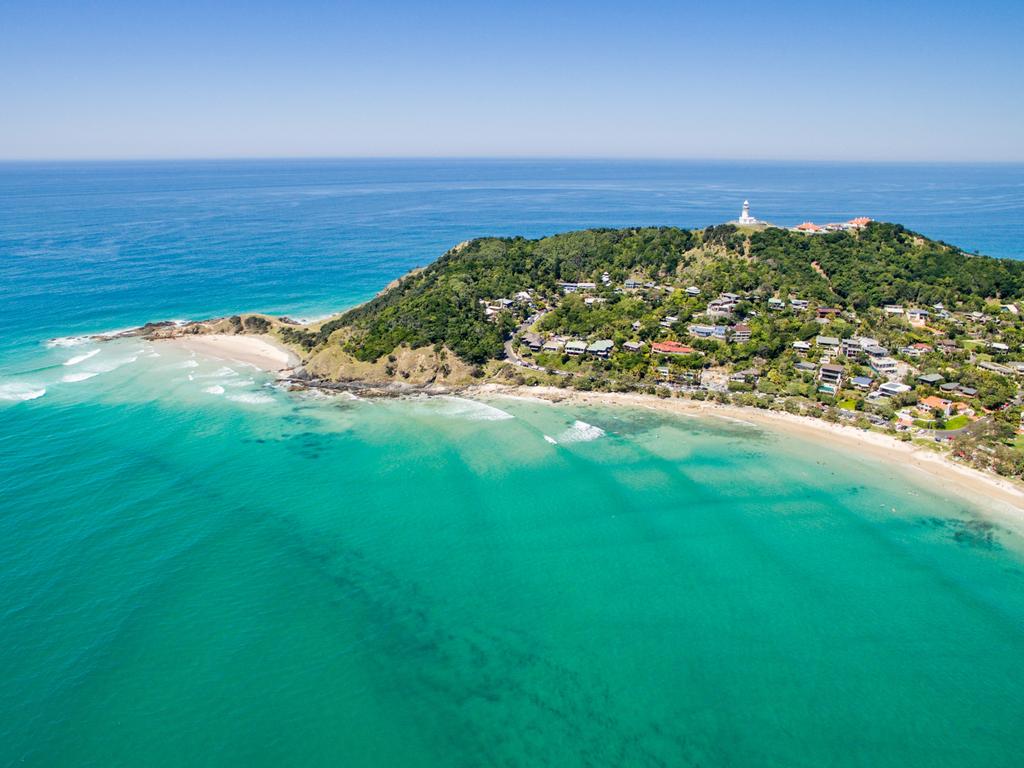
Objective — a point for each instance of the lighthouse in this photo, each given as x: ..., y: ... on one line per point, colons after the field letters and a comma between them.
x: 745, y: 217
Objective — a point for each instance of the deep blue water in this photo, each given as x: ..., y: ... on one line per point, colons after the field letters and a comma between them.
x: 91, y: 246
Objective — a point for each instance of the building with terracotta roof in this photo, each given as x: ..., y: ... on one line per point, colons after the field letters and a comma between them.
x: 859, y: 222
x: 670, y: 348
x: 809, y: 227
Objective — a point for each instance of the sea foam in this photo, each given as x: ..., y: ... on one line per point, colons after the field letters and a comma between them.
x: 82, y: 357
x: 581, y: 432
x: 251, y: 398
x: 17, y: 391
x: 474, y: 410
x: 71, y: 378
x: 216, y: 389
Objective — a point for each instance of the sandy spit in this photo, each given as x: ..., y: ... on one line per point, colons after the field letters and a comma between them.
x: 263, y: 352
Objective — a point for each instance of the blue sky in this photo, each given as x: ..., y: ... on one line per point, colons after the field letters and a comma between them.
x: 779, y: 79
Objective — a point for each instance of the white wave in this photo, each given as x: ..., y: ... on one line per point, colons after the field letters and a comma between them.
x: 112, y: 365
x: 19, y: 391
x: 71, y: 378
x: 67, y: 341
x: 220, y: 373
x: 581, y: 432
x: 153, y: 354
x: 214, y: 390
x: 191, y: 377
x: 550, y: 439
x: 474, y: 410
x: 188, y: 364
x: 82, y: 357
x: 238, y: 383
x: 251, y: 398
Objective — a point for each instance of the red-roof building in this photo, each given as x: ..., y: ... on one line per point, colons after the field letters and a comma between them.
x: 860, y: 221
x: 670, y: 348
x: 808, y: 226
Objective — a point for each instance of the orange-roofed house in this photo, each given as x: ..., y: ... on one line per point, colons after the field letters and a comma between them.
x: 859, y: 222
x: 935, y: 403
x: 808, y: 226
x: 670, y: 348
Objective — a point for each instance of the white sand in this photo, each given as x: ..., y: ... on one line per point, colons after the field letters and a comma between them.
x: 1001, y: 498
x: 262, y: 352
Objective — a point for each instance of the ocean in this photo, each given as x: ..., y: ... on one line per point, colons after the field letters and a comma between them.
x: 199, y: 568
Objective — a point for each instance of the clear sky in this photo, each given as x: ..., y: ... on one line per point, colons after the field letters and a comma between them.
x: 778, y: 79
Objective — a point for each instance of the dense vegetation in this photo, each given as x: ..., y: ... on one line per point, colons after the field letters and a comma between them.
x: 883, y: 263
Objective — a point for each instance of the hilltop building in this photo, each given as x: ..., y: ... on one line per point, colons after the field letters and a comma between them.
x: 745, y: 217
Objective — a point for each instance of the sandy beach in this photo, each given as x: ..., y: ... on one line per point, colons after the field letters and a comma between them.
x: 1002, y: 499
x: 263, y: 352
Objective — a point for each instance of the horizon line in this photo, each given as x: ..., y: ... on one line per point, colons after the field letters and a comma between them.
x: 503, y: 158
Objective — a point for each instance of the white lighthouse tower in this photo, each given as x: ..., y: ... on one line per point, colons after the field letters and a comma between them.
x: 745, y: 217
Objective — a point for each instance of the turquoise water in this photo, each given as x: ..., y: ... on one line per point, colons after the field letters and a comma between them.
x: 197, y: 568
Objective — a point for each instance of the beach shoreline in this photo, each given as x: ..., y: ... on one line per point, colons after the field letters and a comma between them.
x: 261, y: 352
x: 946, y: 476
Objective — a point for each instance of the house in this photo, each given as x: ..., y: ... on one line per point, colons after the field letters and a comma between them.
x: 693, y: 290
x: 633, y: 346
x: 553, y: 345
x: 776, y: 304
x: 574, y: 287
x: 884, y: 366
x: 808, y: 227
x: 668, y: 321
x: 805, y: 367
x: 601, y: 348
x: 998, y: 346
x: 917, y: 317
x: 995, y: 368
x: 968, y: 391
x: 892, y: 388
x: 576, y: 347
x: 802, y: 346
x: 798, y: 303
x: 748, y: 376
x: 632, y: 285
x: 637, y: 325
x: 592, y: 300
x: 830, y: 342
x: 950, y: 387
x: 874, y: 350
x: 533, y: 341
x: 946, y: 346
x: 606, y: 278
x: 825, y: 314
x: 893, y: 309
x: 861, y: 382
x: 859, y: 222
x: 831, y: 374
x: 935, y: 403
x: 741, y: 333
x: 670, y: 348
x: 850, y: 347
x: 931, y: 379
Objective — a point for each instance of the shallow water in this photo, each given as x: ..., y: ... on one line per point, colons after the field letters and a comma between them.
x: 197, y: 567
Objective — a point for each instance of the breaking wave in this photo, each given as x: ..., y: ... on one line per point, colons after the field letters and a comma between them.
x: 474, y: 410
x: 71, y: 378
x: 581, y: 432
x: 251, y: 398
x: 216, y: 389
x: 17, y: 391
x: 82, y: 357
